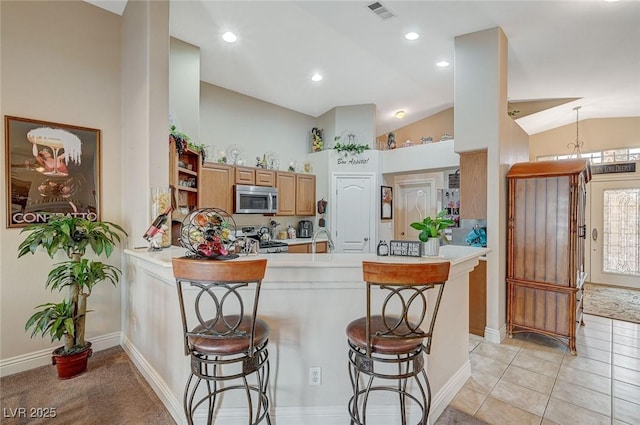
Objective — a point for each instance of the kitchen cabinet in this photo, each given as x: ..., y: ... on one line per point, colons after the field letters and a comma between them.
x: 546, y: 247
x: 306, y: 248
x: 478, y: 299
x: 245, y: 175
x: 217, y: 186
x: 184, y: 175
x: 286, y: 184
x: 473, y: 185
x: 265, y: 177
x: 305, y: 194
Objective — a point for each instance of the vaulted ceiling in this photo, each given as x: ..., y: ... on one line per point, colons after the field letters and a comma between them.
x: 582, y: 51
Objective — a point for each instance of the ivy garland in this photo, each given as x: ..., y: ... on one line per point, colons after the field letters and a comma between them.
x: 350, y: 148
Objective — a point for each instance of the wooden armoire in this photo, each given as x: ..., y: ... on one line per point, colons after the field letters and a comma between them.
x: 546, y: 247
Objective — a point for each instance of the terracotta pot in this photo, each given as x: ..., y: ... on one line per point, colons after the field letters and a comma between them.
x: 71, y: 365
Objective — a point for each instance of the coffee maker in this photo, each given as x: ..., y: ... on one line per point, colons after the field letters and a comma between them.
x: 305, y: 229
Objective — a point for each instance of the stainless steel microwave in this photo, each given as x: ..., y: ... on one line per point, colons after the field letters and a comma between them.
x: 255, y: 199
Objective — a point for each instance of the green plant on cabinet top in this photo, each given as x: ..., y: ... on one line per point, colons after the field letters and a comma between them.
x: 433, y: 227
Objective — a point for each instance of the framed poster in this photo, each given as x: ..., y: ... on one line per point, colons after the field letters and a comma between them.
x: 52, y: 169
x: 386, y: 202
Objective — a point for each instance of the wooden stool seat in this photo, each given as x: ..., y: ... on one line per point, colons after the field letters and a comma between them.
x: 230, y: 345
x: 357, y: 334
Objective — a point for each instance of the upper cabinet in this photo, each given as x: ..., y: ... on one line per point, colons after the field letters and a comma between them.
x: 473, y: 185
x: 305, y: 194
x: 245, y: 175
x: 286, y: 184
x: 265, y: 177
x: 217, y: 186
x: 184, y: 175
x: 296, y: 193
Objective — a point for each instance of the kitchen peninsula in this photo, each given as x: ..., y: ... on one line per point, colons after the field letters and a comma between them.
x: 307, y: 299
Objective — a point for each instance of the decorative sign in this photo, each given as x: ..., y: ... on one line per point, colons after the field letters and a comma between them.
x: 405, y: 248
x: 352, y: 160
x: 625, y: 167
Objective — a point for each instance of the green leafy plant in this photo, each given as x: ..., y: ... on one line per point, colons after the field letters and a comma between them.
x: 66, y: 320
x: 350, y: 148
x: 433, y: 227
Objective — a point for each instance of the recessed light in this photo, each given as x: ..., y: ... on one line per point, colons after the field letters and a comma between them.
x: 442, y: 64
x: 412, y: 36
x: 229, y: 37
x: 316, y: 77
x: 400, y: 114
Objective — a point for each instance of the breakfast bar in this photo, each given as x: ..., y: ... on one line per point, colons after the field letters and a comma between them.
x: 307, y: 300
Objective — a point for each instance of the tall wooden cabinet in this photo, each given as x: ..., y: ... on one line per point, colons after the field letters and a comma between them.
x: 546, y: 247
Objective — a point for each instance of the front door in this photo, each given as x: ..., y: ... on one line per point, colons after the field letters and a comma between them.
x: 615, y: 232
x: 355, y: 216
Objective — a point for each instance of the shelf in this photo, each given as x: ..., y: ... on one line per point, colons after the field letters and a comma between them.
x: 187, y: 171
x: 188, y: 189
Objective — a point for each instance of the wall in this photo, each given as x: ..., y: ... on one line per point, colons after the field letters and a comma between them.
x: 230, y: 118
x: 597, y: 134
x: 66, y: 71
x: 184, y: 87
x: 435, y: 126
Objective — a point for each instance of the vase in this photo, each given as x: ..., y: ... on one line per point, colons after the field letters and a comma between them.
x: 431, y: 248
x: 72, y: 365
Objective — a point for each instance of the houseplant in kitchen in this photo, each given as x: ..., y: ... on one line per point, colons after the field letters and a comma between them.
x: 432, y: 232
x: 65, y: 321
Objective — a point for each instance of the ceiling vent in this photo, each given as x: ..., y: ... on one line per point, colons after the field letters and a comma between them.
x: 381, y: 11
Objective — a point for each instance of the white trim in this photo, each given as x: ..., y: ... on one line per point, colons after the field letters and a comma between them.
x: 42, y: 357
x: 495, y: 335
x: 159, y: 386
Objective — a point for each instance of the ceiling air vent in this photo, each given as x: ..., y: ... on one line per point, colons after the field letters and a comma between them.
x: 381, y: 11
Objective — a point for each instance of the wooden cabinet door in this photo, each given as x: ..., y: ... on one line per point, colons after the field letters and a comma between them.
x: 265, y: 177
x: 286, y: 184
x: 473, y: 185
x: 302, y: 248
x: 245, y: 175
x: 478, y: 299
x: 305, y: 194
x: 217, y: 187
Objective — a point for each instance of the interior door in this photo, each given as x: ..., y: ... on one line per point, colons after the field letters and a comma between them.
x: 414, y: 201
x: 355, y: 214
x: 615, y: 232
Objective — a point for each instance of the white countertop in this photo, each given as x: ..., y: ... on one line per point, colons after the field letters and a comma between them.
x: 453, y: 253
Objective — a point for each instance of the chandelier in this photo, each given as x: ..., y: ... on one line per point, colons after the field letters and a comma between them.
x: 577, y: 145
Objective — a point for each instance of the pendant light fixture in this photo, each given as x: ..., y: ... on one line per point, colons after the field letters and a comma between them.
x: 577, y: 145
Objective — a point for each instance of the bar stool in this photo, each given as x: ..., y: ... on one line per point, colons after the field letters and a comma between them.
x: 388, y: 343
x: 226, y: 341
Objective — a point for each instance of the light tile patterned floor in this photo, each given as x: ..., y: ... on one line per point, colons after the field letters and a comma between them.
x: 533, y: 379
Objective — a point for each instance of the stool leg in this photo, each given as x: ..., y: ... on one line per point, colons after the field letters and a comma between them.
x: 188, y: 398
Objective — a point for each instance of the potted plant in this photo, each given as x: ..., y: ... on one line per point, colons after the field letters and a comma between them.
x: 431, y: 232
x: 65, y: 321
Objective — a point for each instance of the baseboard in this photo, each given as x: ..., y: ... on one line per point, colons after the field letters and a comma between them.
x: 444, y: 397
x: 159, y: 386
x: 495, y: 335
x: 39, y: 358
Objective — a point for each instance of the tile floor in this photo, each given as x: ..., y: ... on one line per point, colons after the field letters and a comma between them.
x: 533, y: 379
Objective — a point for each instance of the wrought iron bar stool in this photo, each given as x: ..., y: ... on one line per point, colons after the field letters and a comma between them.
x: 227, y: 343
x: 389, y: 343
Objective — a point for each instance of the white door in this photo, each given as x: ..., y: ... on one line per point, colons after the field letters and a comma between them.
x: 615, y: 232
x: 414, y: 201
x: 355, y: 214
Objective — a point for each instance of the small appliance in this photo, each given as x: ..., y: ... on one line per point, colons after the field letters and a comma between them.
x: 255, y: 199
x: 305, y: 229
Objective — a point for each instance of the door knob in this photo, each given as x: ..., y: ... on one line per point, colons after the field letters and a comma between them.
x: 402, y: 233
x: 594, y: 234
x: 366, y: 239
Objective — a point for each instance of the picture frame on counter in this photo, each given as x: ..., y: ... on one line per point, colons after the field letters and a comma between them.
x: 405, y: 248
x: 386, y: 202
x: 52, y: 169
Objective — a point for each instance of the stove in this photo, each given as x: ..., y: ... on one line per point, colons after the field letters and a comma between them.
x: 273, y: 247
x: 266, y: 247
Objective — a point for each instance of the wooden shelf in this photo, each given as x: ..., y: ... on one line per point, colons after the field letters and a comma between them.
x: 188, y: 189
x: 187, y: 171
